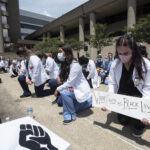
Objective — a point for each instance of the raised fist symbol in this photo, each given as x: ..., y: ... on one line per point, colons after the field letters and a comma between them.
x: 35, y: 138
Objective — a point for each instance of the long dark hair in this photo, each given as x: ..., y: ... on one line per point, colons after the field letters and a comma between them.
x: 137, y: 59
x: 65, y: 65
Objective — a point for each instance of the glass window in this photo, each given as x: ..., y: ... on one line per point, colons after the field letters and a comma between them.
x: 4, y: 20
x: 3, y: 6
x: 5, y: 33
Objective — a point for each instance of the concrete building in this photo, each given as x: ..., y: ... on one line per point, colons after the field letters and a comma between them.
x: 80, y: 21
x: 30, y: 22
x: 9, y: 22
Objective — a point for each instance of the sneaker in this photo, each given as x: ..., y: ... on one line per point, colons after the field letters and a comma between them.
x: 65, y: 122
x: 138, y: 133
x: 23, y: 96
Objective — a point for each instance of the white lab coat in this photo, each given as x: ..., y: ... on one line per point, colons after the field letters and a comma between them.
x: 36, y: 71
x: 22, y: 70
x: 77, y: 81
x: 93, y: 74
x: 12, y: 68
x: 115, y: 76
x: 2, y: 64
x: 52, y: 68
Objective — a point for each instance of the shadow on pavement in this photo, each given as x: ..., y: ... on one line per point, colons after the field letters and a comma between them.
x: 85, y: 113
x: 126, y: 130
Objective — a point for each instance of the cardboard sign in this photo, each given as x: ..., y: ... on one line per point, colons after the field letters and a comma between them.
x: 27, y: 134
x: 134, y: 107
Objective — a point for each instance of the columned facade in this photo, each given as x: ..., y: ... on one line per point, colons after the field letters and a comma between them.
x: 1, y: 34
x: 131, y: 18
x: 62, y: 34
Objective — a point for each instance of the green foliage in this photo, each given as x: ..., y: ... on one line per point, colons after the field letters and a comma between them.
x: 49, y: 45
x: 141, y: 30
x: 87, y: 54
x: 101, y: 38
x: 75, y: 44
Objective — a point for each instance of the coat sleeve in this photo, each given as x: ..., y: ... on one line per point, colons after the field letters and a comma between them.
x: 11, y: 70
x: 49, y: 65
x: 91, y: 69
x: 36, y: 69
x: 73, y: 77
x: 112, y: 83
x: 146, y: 86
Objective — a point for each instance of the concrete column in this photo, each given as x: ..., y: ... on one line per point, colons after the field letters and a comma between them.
x: 1, y: 34
x: 93, y: 51
x: 44, y: 36
x: 81, y: 34
x: 131, y: 18
x: 81, y: 29
x: 48, y: 34
x: 62, y: 34
x: 92, y: 23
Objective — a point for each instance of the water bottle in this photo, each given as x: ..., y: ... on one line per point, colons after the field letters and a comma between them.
x: 30, y: 112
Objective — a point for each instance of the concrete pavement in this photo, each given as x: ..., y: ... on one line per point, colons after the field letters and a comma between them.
x: 93, y: 129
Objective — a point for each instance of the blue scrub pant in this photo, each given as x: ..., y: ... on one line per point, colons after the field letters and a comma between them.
x: 103, y: 75
x: 53, y: 85
x: 23, y: 84
x: 39, y: 90
x: 71, y: 105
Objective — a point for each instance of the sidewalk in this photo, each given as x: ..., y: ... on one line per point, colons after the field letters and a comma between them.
x: 93, y: 129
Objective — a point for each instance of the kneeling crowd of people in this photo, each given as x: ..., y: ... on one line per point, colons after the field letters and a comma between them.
x: 70, y: 80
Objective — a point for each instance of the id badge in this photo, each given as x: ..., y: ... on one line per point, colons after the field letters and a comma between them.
x: 136, y: 81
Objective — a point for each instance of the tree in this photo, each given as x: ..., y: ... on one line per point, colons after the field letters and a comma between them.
x: 101, y: 38
x: 75, y: 44
x: 141, y: 30
x: 48, y: 45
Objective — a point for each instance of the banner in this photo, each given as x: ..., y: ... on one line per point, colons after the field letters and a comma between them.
x: 134, y: 107
x: 27, y: 134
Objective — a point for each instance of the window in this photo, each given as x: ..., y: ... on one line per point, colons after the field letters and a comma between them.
x: 5, y: 33
x: 4, y: 20
x: 3, y: 6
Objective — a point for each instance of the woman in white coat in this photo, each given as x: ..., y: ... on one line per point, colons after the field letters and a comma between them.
x: 14, y: 70
x: 89, y: 71
x: 51, y: 67
x: 93, y: 75
x: 36, y: 74
x: 75, y: 91
x: 130, y: 75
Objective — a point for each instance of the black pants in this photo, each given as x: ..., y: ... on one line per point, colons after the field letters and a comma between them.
x: 3, y: 69
x: 15, y: 74
x: 90, y: 83
x: 125, y: 120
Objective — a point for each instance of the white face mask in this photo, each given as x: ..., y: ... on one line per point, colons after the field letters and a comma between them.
x: 125, y: 58
x: 60, y: 57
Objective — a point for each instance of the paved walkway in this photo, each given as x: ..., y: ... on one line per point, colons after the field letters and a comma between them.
x: 93, y: 129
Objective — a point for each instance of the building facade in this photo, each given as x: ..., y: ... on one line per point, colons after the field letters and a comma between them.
x: 9, y: 22
x: 30, y: 22
x: 80, y: 21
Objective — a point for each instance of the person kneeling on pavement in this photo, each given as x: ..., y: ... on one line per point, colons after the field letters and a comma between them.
x: 75, y: 91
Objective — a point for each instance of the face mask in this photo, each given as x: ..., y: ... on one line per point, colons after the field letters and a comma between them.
x: 60, y: 57
x: 22, y: 58
x: 125, y: 58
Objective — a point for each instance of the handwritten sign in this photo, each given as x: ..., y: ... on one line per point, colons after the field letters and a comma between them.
x: 26, y: 133
x: 134, y: 107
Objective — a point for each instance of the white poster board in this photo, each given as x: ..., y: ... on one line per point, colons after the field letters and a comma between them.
x: 134, y: 107
x: 26, y: 133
